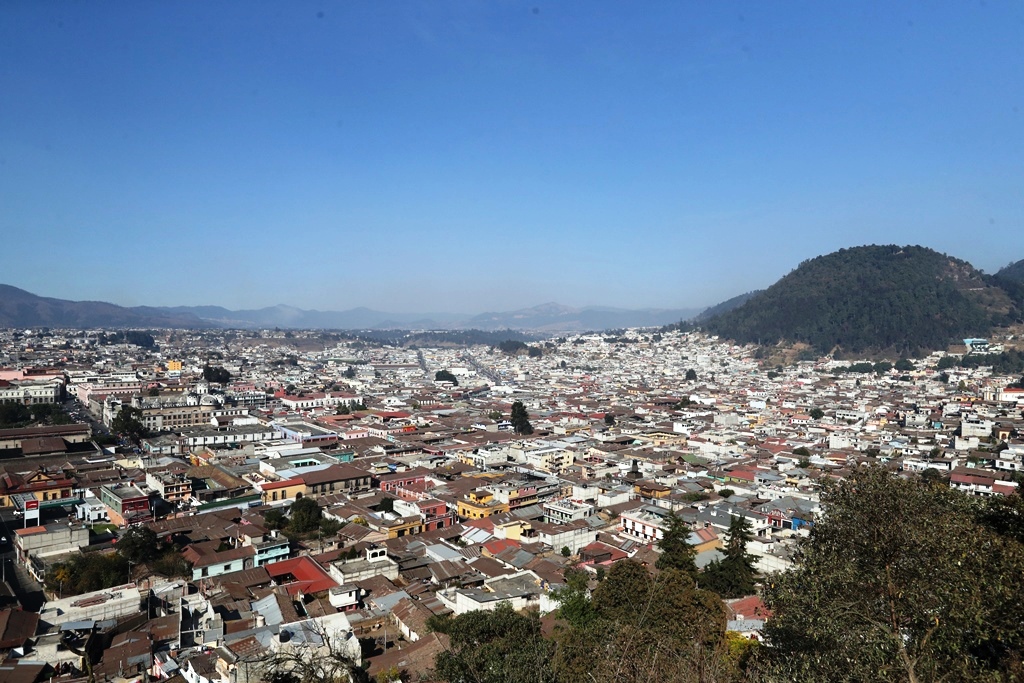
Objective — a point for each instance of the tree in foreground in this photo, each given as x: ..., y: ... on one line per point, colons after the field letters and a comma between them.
x: 493, y: 647
x: 314, y: 653
x: 646, y: 628
x: 899, y: 582
x: 636, y: 627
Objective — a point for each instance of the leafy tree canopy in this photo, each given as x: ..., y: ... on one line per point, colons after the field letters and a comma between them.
x: 446, y: 376
x: 129, y: 423
x: 216, y: 374
x: 900, y: 581
x: 138, y: 544
x: 304, y: 515
x: 493, y: 647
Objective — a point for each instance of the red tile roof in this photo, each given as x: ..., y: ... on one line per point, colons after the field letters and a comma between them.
x: 309, y: 577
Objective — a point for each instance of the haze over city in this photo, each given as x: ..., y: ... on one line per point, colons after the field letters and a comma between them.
x: 489, y: 156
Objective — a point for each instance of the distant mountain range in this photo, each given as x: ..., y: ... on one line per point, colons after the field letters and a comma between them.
x: 859, y: 300
x: 19, y: 308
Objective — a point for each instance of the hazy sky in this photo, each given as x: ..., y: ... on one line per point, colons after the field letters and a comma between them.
x: 487, y: 155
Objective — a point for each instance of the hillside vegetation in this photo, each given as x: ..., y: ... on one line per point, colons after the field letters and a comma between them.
x: 902, y: 299
x: 1014, y: 271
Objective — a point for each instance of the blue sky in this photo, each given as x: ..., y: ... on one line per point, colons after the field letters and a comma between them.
x: 470, y: 156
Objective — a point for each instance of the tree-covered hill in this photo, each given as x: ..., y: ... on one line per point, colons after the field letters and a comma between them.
x: 1014, y: 271
x: 872, y: 298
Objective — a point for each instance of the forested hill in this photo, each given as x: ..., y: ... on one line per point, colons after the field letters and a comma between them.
x: 873, y: 298
x: 1014, y: 271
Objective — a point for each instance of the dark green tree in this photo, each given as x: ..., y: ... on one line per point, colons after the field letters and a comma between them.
x: 1004, y: 515
x: 14, y: 415
x: 733, y: 575
x: 216, y: 375
x: 446, y: 376
x: 646, y: 628
x: 676, y: 551
x: 89, y: 572
x: 520, y: 419
x: 129, y: 423
x: 932, y: 476
x: 138, y: 544
x: 304, y: 516
x: 817, y: 413
x: 574, y: 604
x: 898, y: 582
x: 609, y: 419
x: 691, y: 375
x: 512, y: 347
x: 500, y: 646
x: 274, y: 518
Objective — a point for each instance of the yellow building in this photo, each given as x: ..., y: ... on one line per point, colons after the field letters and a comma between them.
x: 41, y: 485
x: 479, y: 504
x: 515, y: 529
x: 408, y: 526
x: 662, y: 438
x: 650, y: 489
x: 174, y: 366
x: 286, y: 489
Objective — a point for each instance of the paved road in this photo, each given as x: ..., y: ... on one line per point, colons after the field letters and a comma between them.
x: 84, y: 416
x: 29, y: 592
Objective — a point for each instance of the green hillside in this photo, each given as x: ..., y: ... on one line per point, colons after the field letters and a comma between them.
x: 873, y: 298
x: 1014, y: 271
